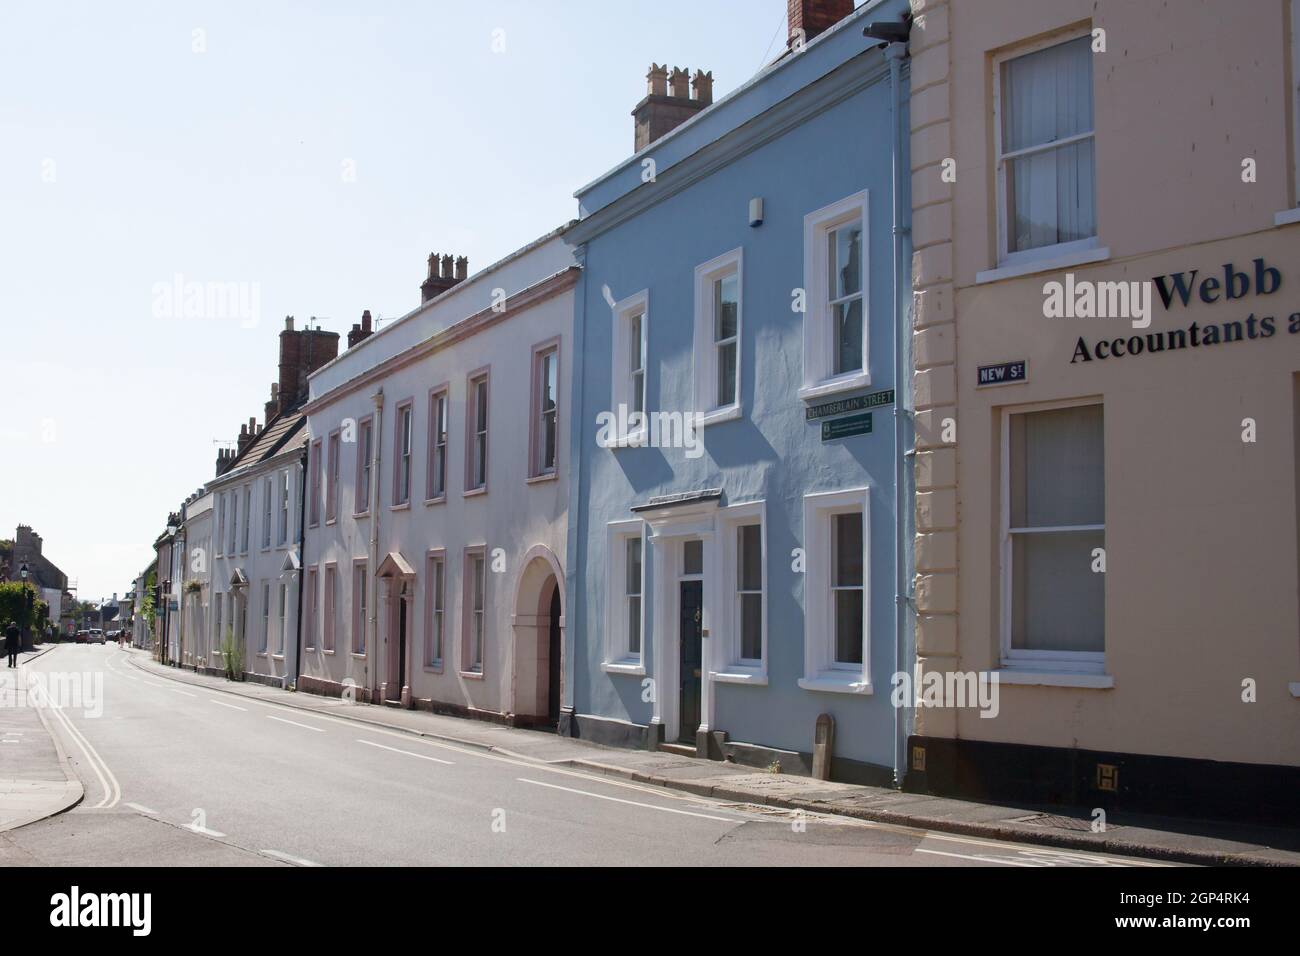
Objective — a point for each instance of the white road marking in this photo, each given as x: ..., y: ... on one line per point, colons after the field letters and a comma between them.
x: 182, y: 692
x: 222, y: 703
x: 136, y: 806
x: 648, y: 806
x: 982, y: 858
x: 408, y: 753
x: 203, y: 830
x: 607, y: 780
x: 297, y: 860
x: 319, y: 730
x: 112, y: 791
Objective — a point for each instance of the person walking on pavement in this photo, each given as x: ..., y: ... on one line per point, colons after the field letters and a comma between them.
x: 13, y: 641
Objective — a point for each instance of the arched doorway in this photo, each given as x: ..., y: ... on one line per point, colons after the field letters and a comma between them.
x: 539, y: 640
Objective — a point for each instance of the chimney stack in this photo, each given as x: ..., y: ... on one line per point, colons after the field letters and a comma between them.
x: 302, y: 351
x: 668, y: 102
x: 273, y: 406
x: 444, y: 272
x: 808, y: 18
x: 360, y: 330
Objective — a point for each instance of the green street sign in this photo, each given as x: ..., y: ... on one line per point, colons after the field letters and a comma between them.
x: 846, y: 427
x: 856, y: 404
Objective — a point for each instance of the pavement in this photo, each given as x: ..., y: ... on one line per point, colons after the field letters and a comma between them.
x: 1172, y: 840
x: 36, y: 779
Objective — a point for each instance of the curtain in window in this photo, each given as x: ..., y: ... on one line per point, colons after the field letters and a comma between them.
x: 1047, y: 97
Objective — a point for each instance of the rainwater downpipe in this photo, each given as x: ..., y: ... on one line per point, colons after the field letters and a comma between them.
x: 904, y: 452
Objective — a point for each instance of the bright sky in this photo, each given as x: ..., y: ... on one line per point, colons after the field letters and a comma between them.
x: 128, y: 158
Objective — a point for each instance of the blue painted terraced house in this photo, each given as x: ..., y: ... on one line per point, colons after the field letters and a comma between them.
x: 737, y: 546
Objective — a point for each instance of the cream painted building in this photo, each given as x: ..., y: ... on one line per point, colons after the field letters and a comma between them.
x: 1106, y: 509
x: 437, y: 498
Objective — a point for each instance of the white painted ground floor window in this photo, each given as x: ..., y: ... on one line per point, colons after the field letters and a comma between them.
x: 1053, y: 538
x: 283, y: 620
x: 837, y: 602
x: 625, y: 599
x: 435, y: 584
x: 742, y: 608
x: 264, y: 635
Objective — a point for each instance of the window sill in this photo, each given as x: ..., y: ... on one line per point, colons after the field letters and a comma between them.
x: 475, y: 492
x: 1047, y: 263
x: 1041, y: 678
x: 729, y: 414
x: 539, y: 479
x: 834, y: 386
x: 432, y: 668
x: 440, y: 500
x: 277, y: 657
x: 404, y: 506
x: 1286, y: 217
x: 330, y: 522
x: 472, y: 675
x: 628, y: 668
x: 358, y: 515
x: 634, y: 439
x: 359, y: 655
x: 739, y: 675
x: 845, y: 683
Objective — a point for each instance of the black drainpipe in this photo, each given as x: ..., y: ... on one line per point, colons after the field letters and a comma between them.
x: 302, y: 558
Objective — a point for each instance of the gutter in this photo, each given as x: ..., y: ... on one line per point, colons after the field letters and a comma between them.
x: 904, y: 452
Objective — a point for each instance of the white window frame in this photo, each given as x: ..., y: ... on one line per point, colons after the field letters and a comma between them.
x: 538, y: 468
x: 268, y: 510
x: 739, y: 669
x: 360, y: 606
x: 311, y: 602
x: 1062, y: 253
x: 330, y: 605
x: 404, y: 453
x: 264, y: 638
x: 1021, y: 659
x: 469, y: 667
x: 707, y: 274
x: 283, y: 619
x: 821, y: 673
x: 435, y: 618
x: 818, y: 340
x: 473, y: 449
x: 282, y: 536
x: 621, y: 385
x: 248, y: 515
x: 619, y: 658
x: 221, y: 525
x: 439, y: 437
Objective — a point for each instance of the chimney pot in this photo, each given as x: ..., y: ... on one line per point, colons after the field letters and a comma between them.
x: 288, y: 323
x: 433, y: 265
x: 679, y: 83
x: 657, y: 80
x: 703, y: 84
x: 462, y: 267
x: 365, y: 321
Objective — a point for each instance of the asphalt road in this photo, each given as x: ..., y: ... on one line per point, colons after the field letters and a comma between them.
x: 181, y: 775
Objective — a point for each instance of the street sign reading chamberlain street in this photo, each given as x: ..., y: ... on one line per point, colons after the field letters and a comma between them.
x: 845, y: 427
x: 855, y: 404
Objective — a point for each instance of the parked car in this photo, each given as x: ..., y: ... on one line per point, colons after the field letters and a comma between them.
x: 82, y: 636
x: 96, y: 636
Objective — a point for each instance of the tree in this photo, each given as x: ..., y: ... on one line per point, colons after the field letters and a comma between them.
x: 13, y: 603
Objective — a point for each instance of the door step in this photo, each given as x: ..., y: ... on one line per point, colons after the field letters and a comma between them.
x: 393, y: 703
x: 685, y: 750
